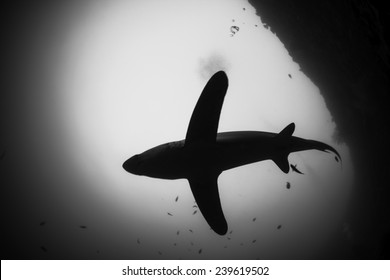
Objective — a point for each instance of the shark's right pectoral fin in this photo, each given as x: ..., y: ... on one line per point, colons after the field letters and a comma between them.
x: 205, y: 190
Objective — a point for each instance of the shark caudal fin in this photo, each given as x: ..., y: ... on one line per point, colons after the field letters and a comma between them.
x: 281, y: 159
x: 325, y: 148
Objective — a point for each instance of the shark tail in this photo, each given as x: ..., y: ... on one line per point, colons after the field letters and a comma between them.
x: 325, y: 148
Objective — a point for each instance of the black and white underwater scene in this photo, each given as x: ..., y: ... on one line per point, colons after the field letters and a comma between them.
x: 195, y: 129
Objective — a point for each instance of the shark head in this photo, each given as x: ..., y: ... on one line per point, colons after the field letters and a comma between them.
x: 133, y: 165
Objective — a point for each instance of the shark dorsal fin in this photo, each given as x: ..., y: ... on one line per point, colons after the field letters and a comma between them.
x: 287, y: 131
x: 281, y: 161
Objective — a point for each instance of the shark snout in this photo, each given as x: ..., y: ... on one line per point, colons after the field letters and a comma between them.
x: 132, y: 165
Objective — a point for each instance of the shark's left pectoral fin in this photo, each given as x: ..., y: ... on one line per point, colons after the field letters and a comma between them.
x: 205, y: 190
x: 282, y: 162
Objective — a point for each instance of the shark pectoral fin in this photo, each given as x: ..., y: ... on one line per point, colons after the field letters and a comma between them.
x: 205, y: 190
x: 287, y: 131
x: 282, y: 163
x: 204, y: 121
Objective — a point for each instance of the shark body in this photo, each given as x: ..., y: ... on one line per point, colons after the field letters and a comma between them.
x: 204, y: 154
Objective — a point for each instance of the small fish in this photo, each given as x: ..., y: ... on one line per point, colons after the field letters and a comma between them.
x: 255, y: 25
x: 177, y: 198
x: 254, y: 241
x: 279, y: 227
x: 190, y: 230
x: 192, y: 243
x: 194, y: 212
x: 2, y: 155
x: 200, y: 251
x: 169, y: 214
x: 97, y: 252
x: 225, y: 246
x: 174, y: 244
x: 228, y: 238
x: 42, y: 223
x: 231, y: 232
x: 254, y: 219
x: 138, y: 241
x: 195, y: 206
x: 178, y: 232
x: 294, y: 168
x: 288, y: 185
x: 159, y: 253
x: 43, y: 248
x: 83, y: 227
x: 336, y: 158
x: 290, y: 76
x: 234, y: 29
x: 243, y: 9
x: 241, y: 244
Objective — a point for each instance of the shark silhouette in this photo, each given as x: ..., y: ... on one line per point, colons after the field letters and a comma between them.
x: 205, y: 154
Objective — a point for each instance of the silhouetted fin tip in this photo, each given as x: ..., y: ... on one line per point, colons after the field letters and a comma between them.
x: 282, y: 162
x: 220, y: 75
x: 221, y: 229
x: 287, y: 131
